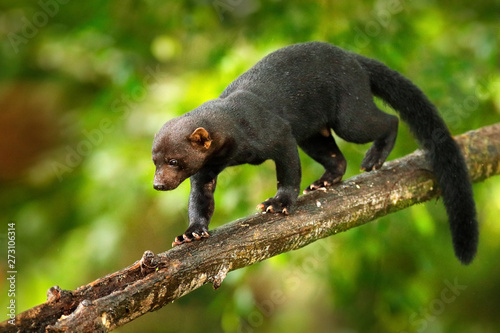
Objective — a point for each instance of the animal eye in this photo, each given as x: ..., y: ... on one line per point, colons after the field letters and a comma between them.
x: 172, y: 162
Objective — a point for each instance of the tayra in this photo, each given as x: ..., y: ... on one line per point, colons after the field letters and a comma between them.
x: 294, y: 97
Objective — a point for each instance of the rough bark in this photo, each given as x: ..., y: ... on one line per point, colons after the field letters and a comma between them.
x: 156, y: 280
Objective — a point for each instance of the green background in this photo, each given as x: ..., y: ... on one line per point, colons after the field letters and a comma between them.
x: 85, y: 85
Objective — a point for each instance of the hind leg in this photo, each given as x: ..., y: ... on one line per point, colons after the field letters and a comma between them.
x: 367, y: 123
x: 380, y: 150
x: 324, y: 150
x: 384, y: 139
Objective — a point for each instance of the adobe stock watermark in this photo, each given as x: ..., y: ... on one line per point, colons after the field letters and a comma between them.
x: 92, y: 138
x: 31, y: 27
x: 381, y: 19
x: 11, y: 271
x: 266, y: 308
x: 421, y: 321
x: 224, y: 7
x: 460, y: 110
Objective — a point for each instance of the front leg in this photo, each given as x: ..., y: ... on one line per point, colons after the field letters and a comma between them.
x: 201, y: 206
x: 288, y: 175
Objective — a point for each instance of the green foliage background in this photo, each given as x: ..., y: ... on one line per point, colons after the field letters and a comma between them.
x: 85, y: 85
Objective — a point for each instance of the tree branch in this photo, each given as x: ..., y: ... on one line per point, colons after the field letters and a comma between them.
x: 156, y: 280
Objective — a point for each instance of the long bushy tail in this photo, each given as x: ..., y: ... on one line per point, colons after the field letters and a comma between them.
x: 446, y: 159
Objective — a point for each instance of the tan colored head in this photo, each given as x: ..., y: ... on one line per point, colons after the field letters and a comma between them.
x: 179, y: 151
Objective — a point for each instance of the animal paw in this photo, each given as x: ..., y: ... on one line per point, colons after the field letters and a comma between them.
x: 322, y: 184
x: 273, y: 205
x: 191, y: 234
x: 373, y: 160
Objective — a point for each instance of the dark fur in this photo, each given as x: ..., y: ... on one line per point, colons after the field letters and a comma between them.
x: 293, y: 97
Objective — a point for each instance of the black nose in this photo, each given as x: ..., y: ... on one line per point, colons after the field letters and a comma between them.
x: 160, y: 187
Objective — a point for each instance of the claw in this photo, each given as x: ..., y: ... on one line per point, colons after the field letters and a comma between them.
x: 185, y: 239
x: 176, y: 242
x: 285, y: 211
x: 270, y: 209
x: 260, y: 206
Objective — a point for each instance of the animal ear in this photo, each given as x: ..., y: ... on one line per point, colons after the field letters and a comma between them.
x: 201, y: 138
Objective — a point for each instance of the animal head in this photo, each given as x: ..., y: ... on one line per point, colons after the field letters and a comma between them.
x: 179, y: 151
